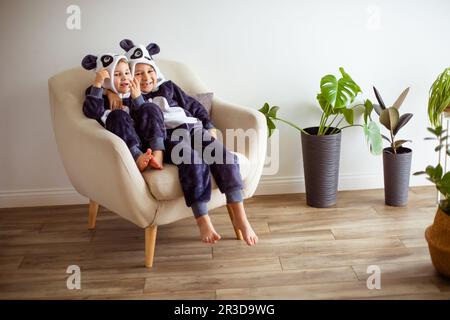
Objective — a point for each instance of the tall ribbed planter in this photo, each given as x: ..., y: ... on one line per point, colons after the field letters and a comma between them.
x: 397, y: 168
x: 321, y: 166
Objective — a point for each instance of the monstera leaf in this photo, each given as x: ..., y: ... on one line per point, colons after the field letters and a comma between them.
x: 373, y: 137
x: 337, y: 93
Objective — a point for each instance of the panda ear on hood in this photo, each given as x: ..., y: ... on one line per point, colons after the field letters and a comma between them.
x: 152, y: 49
x: 126, y: 44
x: 89, y: 62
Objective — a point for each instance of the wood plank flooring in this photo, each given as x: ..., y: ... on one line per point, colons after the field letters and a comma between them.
x: 303, y: 253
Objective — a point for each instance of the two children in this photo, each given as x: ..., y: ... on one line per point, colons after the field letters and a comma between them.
x: 171, y: 110
x: 134, y: 125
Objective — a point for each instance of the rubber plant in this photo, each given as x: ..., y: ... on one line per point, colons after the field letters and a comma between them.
x: 439, y: 97
x: 335, y: 99
x: 390, y: 118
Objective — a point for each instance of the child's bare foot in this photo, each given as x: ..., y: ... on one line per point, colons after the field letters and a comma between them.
x: 156, y: 160
x: 143, y: 160
x: 207, y: 231
x: 240, y: 222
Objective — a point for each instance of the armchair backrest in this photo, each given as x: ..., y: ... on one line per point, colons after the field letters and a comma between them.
x: 74, y: 82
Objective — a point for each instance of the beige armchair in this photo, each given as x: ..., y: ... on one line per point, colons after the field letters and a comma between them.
x: 101, y: 168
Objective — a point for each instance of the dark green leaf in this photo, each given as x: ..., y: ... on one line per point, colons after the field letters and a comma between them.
x: 265, y: 108
x: 438, y: 148
x: 402, y: 121
x: 368, y: 107
x: 273, y: 112
x: 445, y: 181
x: 419, y: 173
x: 379, y: 99
x: 386, y: 138
x: 433, y: 131
x: 438, y: 172
x: 270, y: 126
x: 322, y: 101
x: 348, y: 115
x: 430, y: 171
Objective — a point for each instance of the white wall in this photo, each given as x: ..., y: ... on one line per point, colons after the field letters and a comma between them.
x: 248, y: 52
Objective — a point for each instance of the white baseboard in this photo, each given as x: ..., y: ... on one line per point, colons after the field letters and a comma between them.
x: 40, y: 197
x: 267, y: 185
x: 288, y: 184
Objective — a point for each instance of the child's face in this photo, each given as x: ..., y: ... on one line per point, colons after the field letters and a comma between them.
x: 122, y: 77
x: 146, y: 76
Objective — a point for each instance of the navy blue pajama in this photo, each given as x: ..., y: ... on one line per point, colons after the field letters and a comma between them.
x: 149, y: 124
x: 143, y: 128
x: 120, y: 123
x: 195, y: 176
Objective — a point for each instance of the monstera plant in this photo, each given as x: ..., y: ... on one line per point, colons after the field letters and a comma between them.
x: 335, y: 98
x: 321, y: 144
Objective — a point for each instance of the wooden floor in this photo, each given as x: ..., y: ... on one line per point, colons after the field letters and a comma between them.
x: 303, y: 253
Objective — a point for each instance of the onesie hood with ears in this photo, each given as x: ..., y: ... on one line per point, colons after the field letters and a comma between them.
x: 108, y: 61
x: 142, y: 54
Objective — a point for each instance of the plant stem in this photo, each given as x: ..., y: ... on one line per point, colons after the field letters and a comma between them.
x: 292, y: 125
x: 337, y: 126
x: 323, y: 119
x: 393, y: 142
x: 352, y: 125
x: 321, y: 124
x: 329, y: 125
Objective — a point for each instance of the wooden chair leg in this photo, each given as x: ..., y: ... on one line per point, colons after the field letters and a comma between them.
x: 236, y: 230
x: 93, y: 210
x: 150, y: 240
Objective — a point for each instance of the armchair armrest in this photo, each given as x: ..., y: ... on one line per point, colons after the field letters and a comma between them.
x: 250, y: 140
x: 98, y: 163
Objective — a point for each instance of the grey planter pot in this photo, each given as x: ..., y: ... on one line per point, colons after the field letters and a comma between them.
x: 321, y: 166
x: 397, y: 169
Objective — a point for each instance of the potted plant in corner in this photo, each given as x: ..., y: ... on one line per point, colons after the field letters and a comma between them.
x: 396, y: 158
x: 438, y: 234
x: 321, y: 144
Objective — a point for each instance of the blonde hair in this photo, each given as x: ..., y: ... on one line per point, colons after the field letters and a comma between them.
x: 124, y: 61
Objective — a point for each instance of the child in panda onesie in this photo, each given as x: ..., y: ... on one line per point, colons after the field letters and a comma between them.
x: 182, y: 112
x: 136, y: 126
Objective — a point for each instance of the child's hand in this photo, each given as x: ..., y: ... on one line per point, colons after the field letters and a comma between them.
x: 114, y: 100
x: 100, y: 77
x: 135, y: 88
x: 213, y: 132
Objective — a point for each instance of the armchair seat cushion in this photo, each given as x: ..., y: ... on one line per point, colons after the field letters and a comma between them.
x: 165, y: 185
